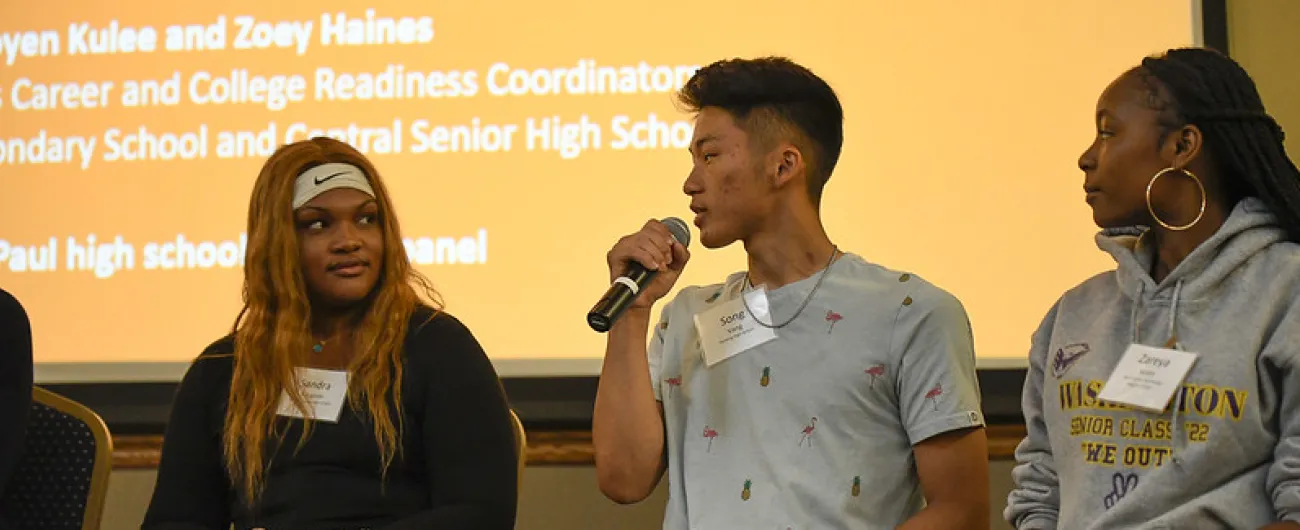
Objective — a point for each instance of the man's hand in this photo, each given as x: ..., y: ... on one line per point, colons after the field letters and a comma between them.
x: 655, y: 249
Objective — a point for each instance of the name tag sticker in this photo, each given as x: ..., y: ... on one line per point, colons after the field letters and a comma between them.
x: 729, y: 328
x: 324, y: 392
x: 1147, y: 377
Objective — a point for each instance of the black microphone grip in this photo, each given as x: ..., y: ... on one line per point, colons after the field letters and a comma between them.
x: 619, y: 296
x: 627, y: 286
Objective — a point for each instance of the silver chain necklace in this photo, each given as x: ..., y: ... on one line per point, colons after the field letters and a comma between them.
x: 835, y: 252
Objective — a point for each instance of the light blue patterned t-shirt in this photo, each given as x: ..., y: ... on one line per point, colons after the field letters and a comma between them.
x: 814, y: 429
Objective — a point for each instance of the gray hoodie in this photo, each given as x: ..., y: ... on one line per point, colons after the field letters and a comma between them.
x: 1230, y: 455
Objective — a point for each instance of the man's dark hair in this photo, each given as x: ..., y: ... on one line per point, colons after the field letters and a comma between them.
x: 1208, y: 89
x: 769, y: 96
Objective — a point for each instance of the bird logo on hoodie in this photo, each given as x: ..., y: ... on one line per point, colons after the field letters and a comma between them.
x: 1066, y: 356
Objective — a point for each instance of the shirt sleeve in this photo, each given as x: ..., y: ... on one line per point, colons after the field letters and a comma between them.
x: 655, y: 350
x: 1283, y: 482
x: 468, y: 435
x: 192, y: 490
x: 1035, y: 499
x: 15, y: 385
x: 937, y: 388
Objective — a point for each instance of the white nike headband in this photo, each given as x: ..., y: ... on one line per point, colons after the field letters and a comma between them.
x: 325, y: 177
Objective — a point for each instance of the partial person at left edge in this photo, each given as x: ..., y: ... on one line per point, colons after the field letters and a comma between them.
x: 342, y: 399
x: 15, y: 387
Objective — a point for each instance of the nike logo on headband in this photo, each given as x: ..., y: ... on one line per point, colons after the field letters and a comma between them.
x: 322, y: 180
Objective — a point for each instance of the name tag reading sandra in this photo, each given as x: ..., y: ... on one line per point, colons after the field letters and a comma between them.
x: 1147, y: 377
x: 729, y: 329
x: 324, y: 392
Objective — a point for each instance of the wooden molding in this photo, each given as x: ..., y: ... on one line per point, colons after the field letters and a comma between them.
x: 545, y: 448
x: 136, y: 452
x: 1003, y: 440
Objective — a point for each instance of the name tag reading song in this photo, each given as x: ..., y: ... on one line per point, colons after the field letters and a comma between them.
x: 729, y: 329
x: 323, y: 390
x: 1147, y: 377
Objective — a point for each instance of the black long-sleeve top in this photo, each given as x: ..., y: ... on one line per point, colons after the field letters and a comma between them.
x: 457, y: 470
x: 15, y: 386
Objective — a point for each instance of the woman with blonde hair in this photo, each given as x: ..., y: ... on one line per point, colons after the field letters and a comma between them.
x: 341, y: 399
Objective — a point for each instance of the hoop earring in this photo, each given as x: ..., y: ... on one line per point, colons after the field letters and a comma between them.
x: 1153, y: 210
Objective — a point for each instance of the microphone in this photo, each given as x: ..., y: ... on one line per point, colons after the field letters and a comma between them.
x: 625, y: 288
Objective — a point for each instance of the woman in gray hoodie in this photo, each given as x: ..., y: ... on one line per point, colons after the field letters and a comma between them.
x: 1200, y: 207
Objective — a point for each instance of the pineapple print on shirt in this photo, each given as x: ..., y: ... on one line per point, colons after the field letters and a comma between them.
x: 744, y: 493
x: 767, y: 376
x: 857, y: 486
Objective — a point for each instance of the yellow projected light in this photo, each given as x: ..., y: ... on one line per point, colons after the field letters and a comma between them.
x: 520, y: 140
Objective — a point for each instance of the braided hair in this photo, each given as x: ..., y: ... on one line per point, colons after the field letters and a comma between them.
x: 1206, y: 88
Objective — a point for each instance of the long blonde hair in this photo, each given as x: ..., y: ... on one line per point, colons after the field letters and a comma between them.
x: 273, y: 330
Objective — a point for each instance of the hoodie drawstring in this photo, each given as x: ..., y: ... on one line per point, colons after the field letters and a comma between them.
x: 1181, y: 391
x: 1174, y: 442
x: 1133, y: 314
x: 1173, y: 313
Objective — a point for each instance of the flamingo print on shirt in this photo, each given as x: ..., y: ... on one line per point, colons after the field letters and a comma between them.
x: 673, y: 382
x: 832, y: 317
x: 933, y: 395
x: 808, y: 432
x: 875, y: 371
x: 709, y: 434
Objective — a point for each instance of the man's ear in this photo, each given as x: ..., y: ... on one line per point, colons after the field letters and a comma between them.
x: 789, y: 164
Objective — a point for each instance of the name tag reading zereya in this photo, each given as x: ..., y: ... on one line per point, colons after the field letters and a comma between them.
x: 1147, y: 377
x: 324, y: 392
